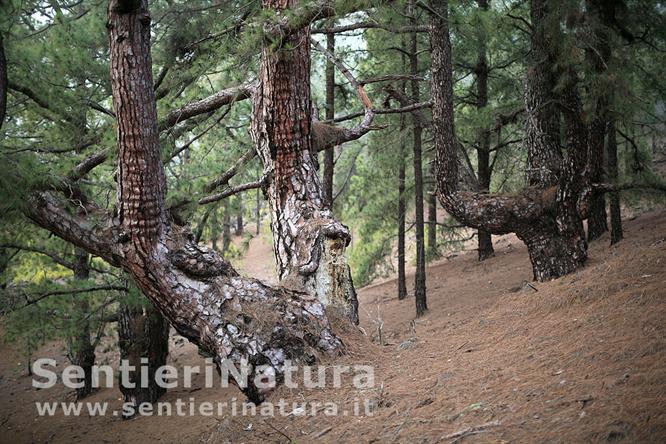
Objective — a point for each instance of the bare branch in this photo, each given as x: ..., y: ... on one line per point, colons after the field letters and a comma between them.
x: 405, y: 109
x: 210, y: 103
x: 72, y: 291
x: 54, y: 257
x: 370, y: 24
x: 233, y: 190
x: 389, y: 78
x: 231, y: 172
x: 348, y: 134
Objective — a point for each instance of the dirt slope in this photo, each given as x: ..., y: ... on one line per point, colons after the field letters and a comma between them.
x: 579, y: 359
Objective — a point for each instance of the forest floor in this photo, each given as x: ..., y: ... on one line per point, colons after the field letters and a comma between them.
x: 495, y: 359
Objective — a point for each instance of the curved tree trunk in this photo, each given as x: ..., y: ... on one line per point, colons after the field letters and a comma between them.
x: 545, y: 214
x: 201, y: 295
x: 309, y: 243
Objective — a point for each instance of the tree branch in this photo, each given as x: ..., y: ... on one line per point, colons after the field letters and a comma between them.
x: 210, y: 103
x: 54, y: 257
x: 233, y: 190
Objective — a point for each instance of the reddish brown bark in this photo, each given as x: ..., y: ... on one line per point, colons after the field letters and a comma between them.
x: 309, y: 243
x: 329, y: 167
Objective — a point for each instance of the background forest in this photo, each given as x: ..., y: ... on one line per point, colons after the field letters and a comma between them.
x: 58, y: 134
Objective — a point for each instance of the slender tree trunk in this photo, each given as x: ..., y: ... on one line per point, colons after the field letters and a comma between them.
x: 239, y: 216
x: 143, y: 339
x: 420, y: 275
x: 309, y: 243
x: 3, y: 82
x: 226, y: 227
x: 258, y: 211
x: 327, y: 184
x: 81, y: 349
x: 402, y: 208
x: 614, y: 196
x: 214, y: 229
x: 485, y: 242
x: 433, y: 251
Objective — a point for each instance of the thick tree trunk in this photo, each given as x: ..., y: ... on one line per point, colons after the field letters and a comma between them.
x: 143, y: 339
x: 327, y: 182
x: 544, y: 215
x: 420, y: 275
x: 598, y: 55
x: 81, y: 349
x: 596, y: 221
x: 309, y: 242
x: 614, y: 197
x: 201, y: 295
x: 485, y: 242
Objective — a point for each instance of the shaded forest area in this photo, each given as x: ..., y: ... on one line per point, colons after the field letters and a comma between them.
x: 277, y: 181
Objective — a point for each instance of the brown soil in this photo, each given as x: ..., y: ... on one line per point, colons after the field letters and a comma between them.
x: 579, y: 359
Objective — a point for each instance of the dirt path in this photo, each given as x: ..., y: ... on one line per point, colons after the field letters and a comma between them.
x: 579, y: 359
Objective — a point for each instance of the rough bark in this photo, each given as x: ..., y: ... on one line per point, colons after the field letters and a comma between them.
x: 614, y: 196
x: 598, y: 56
x: 143, y: 340
x: 327, y: 179
x: 309, y: 243
x: 81, y: 349
x: 420, y: 274
x: 544, y: 215
x: 201, y: 295
x: 432, y: 249
x: 485, y: 243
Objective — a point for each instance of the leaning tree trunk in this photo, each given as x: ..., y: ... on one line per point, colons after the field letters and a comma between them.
x: 143, y: 339
x: 81, y: 349
x: 309, y: 243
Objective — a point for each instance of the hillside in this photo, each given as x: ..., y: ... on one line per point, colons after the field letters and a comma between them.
x: 497, y: 358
